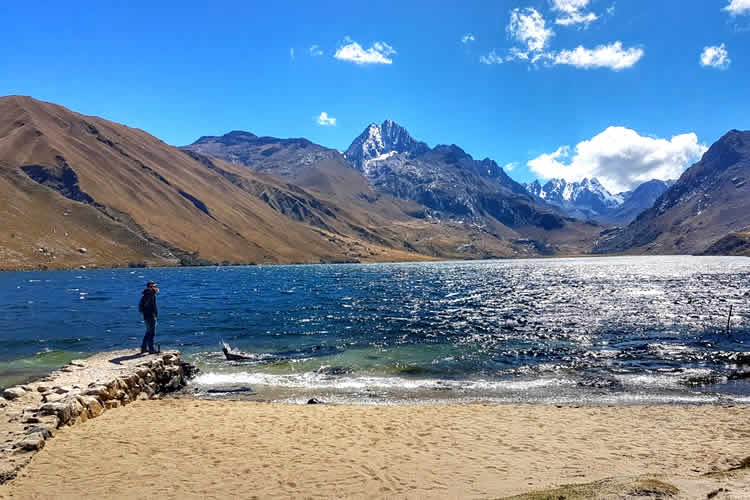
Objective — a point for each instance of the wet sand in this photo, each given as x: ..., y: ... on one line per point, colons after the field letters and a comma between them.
x: 183, y: 448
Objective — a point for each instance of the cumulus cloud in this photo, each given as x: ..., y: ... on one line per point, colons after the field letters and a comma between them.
x: 621, y: 159
x: 715, y: 57
x: 467, y: 38
x: 491, y: 58
x: 325, y: 120
x: 611, y: 56
x: 738, y: 7
x: 529, y: 27
x: 353, y: 52
x: 315, y: 50
x: 571, y: 12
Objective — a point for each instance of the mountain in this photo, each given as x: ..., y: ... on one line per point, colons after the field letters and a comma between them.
x: 709, y: 202
x: 585, y: 199
x: 81, y: 190
x: 378, y: 142
x: 78, y: 190
x: 300, y: 161
x: 444, y: 179
x: 393, y: 177
x: 588, y: 199
x: 636, y: 201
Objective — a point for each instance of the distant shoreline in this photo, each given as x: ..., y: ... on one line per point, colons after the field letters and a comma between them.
x: 426, y: 259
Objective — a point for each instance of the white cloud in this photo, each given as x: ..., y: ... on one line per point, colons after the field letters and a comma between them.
x: 467, y: 38
x: 510, y: 166
x: 611, y: 56
x: 611, y: 10
x: 315, y: 50
x: 325, y: 120
x: 621, y: 159
x: 571, y: 11
x: 491, y: 58
x: 353, y: 52
x: 738, y: 7
x: 715, y: 57
x: 291, y: 54
x: 528, y: 27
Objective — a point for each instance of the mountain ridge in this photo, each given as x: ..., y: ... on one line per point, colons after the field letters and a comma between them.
x: 710, y: 201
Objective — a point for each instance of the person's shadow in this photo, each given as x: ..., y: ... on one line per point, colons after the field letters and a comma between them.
x: 118, y: 361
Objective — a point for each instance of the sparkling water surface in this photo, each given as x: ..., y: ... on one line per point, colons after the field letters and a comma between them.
x: 615, y: 330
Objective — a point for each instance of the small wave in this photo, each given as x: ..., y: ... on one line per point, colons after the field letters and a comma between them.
x: 312, y: 380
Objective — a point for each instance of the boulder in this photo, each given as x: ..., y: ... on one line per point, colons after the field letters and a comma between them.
x: 61, y: 410
x: 13, y: 393
x: 93, y: 407
x: 112, y: 403
x: 33, y: 442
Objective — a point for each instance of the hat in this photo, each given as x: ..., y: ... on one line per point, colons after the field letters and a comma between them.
x: 151, y: 283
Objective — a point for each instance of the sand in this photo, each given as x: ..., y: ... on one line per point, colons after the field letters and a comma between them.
x: 182, y: 448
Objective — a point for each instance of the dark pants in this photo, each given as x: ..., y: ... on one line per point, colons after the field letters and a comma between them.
x: 148, y: 339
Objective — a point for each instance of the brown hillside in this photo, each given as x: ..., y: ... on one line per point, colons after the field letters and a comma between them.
x: 708, y: 202
x: 70, y: 181
x: 79, y: 190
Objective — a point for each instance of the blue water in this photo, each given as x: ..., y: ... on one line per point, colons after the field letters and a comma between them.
x: 600, y: 330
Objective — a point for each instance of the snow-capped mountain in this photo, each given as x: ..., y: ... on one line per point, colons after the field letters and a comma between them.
x: 590, y: 200
x: 444, y: 179
x: 380, y: 142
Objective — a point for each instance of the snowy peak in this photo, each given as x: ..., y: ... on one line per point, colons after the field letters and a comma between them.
x: 588, y: 199
x: 586, y: 191
x: 376, y: 141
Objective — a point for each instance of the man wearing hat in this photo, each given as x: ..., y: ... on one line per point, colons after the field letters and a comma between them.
x: 147, y: 307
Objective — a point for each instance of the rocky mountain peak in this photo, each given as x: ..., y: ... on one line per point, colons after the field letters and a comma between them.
x: 377, y: 141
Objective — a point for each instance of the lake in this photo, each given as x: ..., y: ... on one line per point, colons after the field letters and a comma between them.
x: 609, y: 330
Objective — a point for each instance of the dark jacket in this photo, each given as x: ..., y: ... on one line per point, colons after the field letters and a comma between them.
x: 147, y: 304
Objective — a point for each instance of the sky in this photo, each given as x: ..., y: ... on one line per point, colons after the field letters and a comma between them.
x: 623, y: 90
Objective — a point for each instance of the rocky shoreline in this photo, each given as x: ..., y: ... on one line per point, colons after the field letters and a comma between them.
x: 30, y: 414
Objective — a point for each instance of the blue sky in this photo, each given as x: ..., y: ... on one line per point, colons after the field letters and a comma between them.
x: 620, y: 78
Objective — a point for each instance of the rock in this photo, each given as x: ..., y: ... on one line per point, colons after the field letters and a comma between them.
x: 32, y: 443
x: 112, y: 403
x: 12, y: 393
x: 315, y: 401
x: 82, y: 250
x: 93, y: 407
x: 99, y: 391
x: 42, y: 431
x: 61, y: 410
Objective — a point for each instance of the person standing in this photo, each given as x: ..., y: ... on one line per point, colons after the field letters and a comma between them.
x: 147, y: 307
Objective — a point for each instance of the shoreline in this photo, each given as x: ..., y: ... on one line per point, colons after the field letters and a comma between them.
x: 187, y: 448
x: 83, y: 389
x: 423, y: 259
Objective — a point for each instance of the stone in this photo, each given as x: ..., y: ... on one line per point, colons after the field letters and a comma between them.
x: 82, y: 250
x: 61, y: 410
x: 315, y: 401
x: 93, y: 407
x: 99, y: 391
x: 112, y: 403
x: 12, y: 393
x: 42, y: 431
x: 32, y: 443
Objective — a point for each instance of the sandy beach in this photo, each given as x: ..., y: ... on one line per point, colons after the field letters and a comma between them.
x: 183, y: 448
